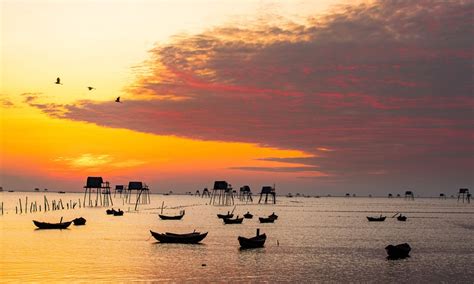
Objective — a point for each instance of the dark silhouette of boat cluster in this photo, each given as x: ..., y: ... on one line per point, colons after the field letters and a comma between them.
x: 114, y: 212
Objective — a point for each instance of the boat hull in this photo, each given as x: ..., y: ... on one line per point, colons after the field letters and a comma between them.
x: 266, y: 220
x: 191, y: 238
x: 165, y: 217
x: 233, y: 221
x: 57, y: 226
x: 255, y: 242
x: 376, y: 219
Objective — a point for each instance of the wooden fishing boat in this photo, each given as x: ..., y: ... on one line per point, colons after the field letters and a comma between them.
x: 248, y: 215
x: 266, y: 220
x: 255, y: 242
x: 110, y: 211
x: 43, y: 225
x: 274, y: 216
x: 399, y: 251
x: 118, y: 213
x: 79, y: 221
x: 376, y: 219
x: 401, y: 218
x: 225, y: 216
x: 237, y: 220
x: 175, y: 217
x: 189, y: 238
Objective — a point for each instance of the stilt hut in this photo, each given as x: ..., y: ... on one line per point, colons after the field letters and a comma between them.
x: 102, y: 190
x: 245, y: 194
x: 409, y: 195
x: 268, y: 191
x: 198, y: 193
x: 390, y: 195
x: 142, y: 195
x: 464, y: 194
x: 222, y: 194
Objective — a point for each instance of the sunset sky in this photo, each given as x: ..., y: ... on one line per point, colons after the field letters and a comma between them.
x: 317, y: 97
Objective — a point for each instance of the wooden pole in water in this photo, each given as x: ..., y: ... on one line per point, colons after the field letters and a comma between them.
x: 21, y: 209
x: 26, y: 205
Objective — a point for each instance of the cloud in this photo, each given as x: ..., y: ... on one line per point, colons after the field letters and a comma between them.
x: 387, y: 87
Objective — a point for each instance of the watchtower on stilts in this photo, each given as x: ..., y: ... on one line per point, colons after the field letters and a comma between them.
x: 102, y: 190
x: 119, y: 188
x: 222, y: 194
x: 142, y: 195
x: 464, y: 194
x: 268, y: 190
x: 206, y: 193
x: 245, y: 194
x: 409, y: 195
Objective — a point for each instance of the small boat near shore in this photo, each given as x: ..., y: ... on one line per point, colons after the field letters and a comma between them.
x: 118, y: 213
x: 79, y: 221
x: 110, y: 211
x: 376, y: 219
x: 401, y: 218
x: 175, y: 217
x: 237, y: 220
x: 225, y: 216
x: 60, y: 226
x: 189, y: 238
x: 274, y: 216
x: 248, y: 215
x: 400, y: 251
x: 255, y: 242
x: 266, y: 220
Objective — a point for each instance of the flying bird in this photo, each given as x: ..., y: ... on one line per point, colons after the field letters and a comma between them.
x: 58, y: 81
x: 117, y: 100
x: 90, y: 88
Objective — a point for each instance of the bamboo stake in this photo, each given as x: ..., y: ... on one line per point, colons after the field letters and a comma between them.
x: 21, y: 209
x: 26, y: 205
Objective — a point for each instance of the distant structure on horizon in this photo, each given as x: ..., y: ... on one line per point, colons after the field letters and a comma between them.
x: 464, y: 194
x: 268, y: 191
x: 409, y: 195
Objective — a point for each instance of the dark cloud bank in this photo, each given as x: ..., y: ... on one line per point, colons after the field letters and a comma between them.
x: 387, y: 87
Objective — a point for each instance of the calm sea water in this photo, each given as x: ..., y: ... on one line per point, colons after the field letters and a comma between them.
x: 320, y: 240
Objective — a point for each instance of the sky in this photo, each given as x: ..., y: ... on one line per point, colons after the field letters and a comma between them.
x: 316, y: 97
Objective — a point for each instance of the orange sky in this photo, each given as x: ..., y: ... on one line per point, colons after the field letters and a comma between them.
x: 98, y: 43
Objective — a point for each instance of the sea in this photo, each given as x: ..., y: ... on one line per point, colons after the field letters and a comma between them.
x: 326, y: 239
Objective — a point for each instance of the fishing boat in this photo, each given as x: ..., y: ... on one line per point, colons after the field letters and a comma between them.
x: 401, y: 218
x: 255, y: 242
x: 175, y: 217
x: 274, y: 216
x: 248, y: 215
x: 237, y: 220
x: 43, y: 225
x: 376, y: 219
x: 189, y: 238
x: 61, y: 192
x: 266, y: 220
x: 225, y: 216
x: 118, y: 213
x: 399, y: 251
x: 110, y: 211
x: 79, y: 221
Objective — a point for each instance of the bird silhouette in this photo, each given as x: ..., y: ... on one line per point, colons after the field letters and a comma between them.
x: 117, y: 100
x: 58, y: 81
x: 90, y: 88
